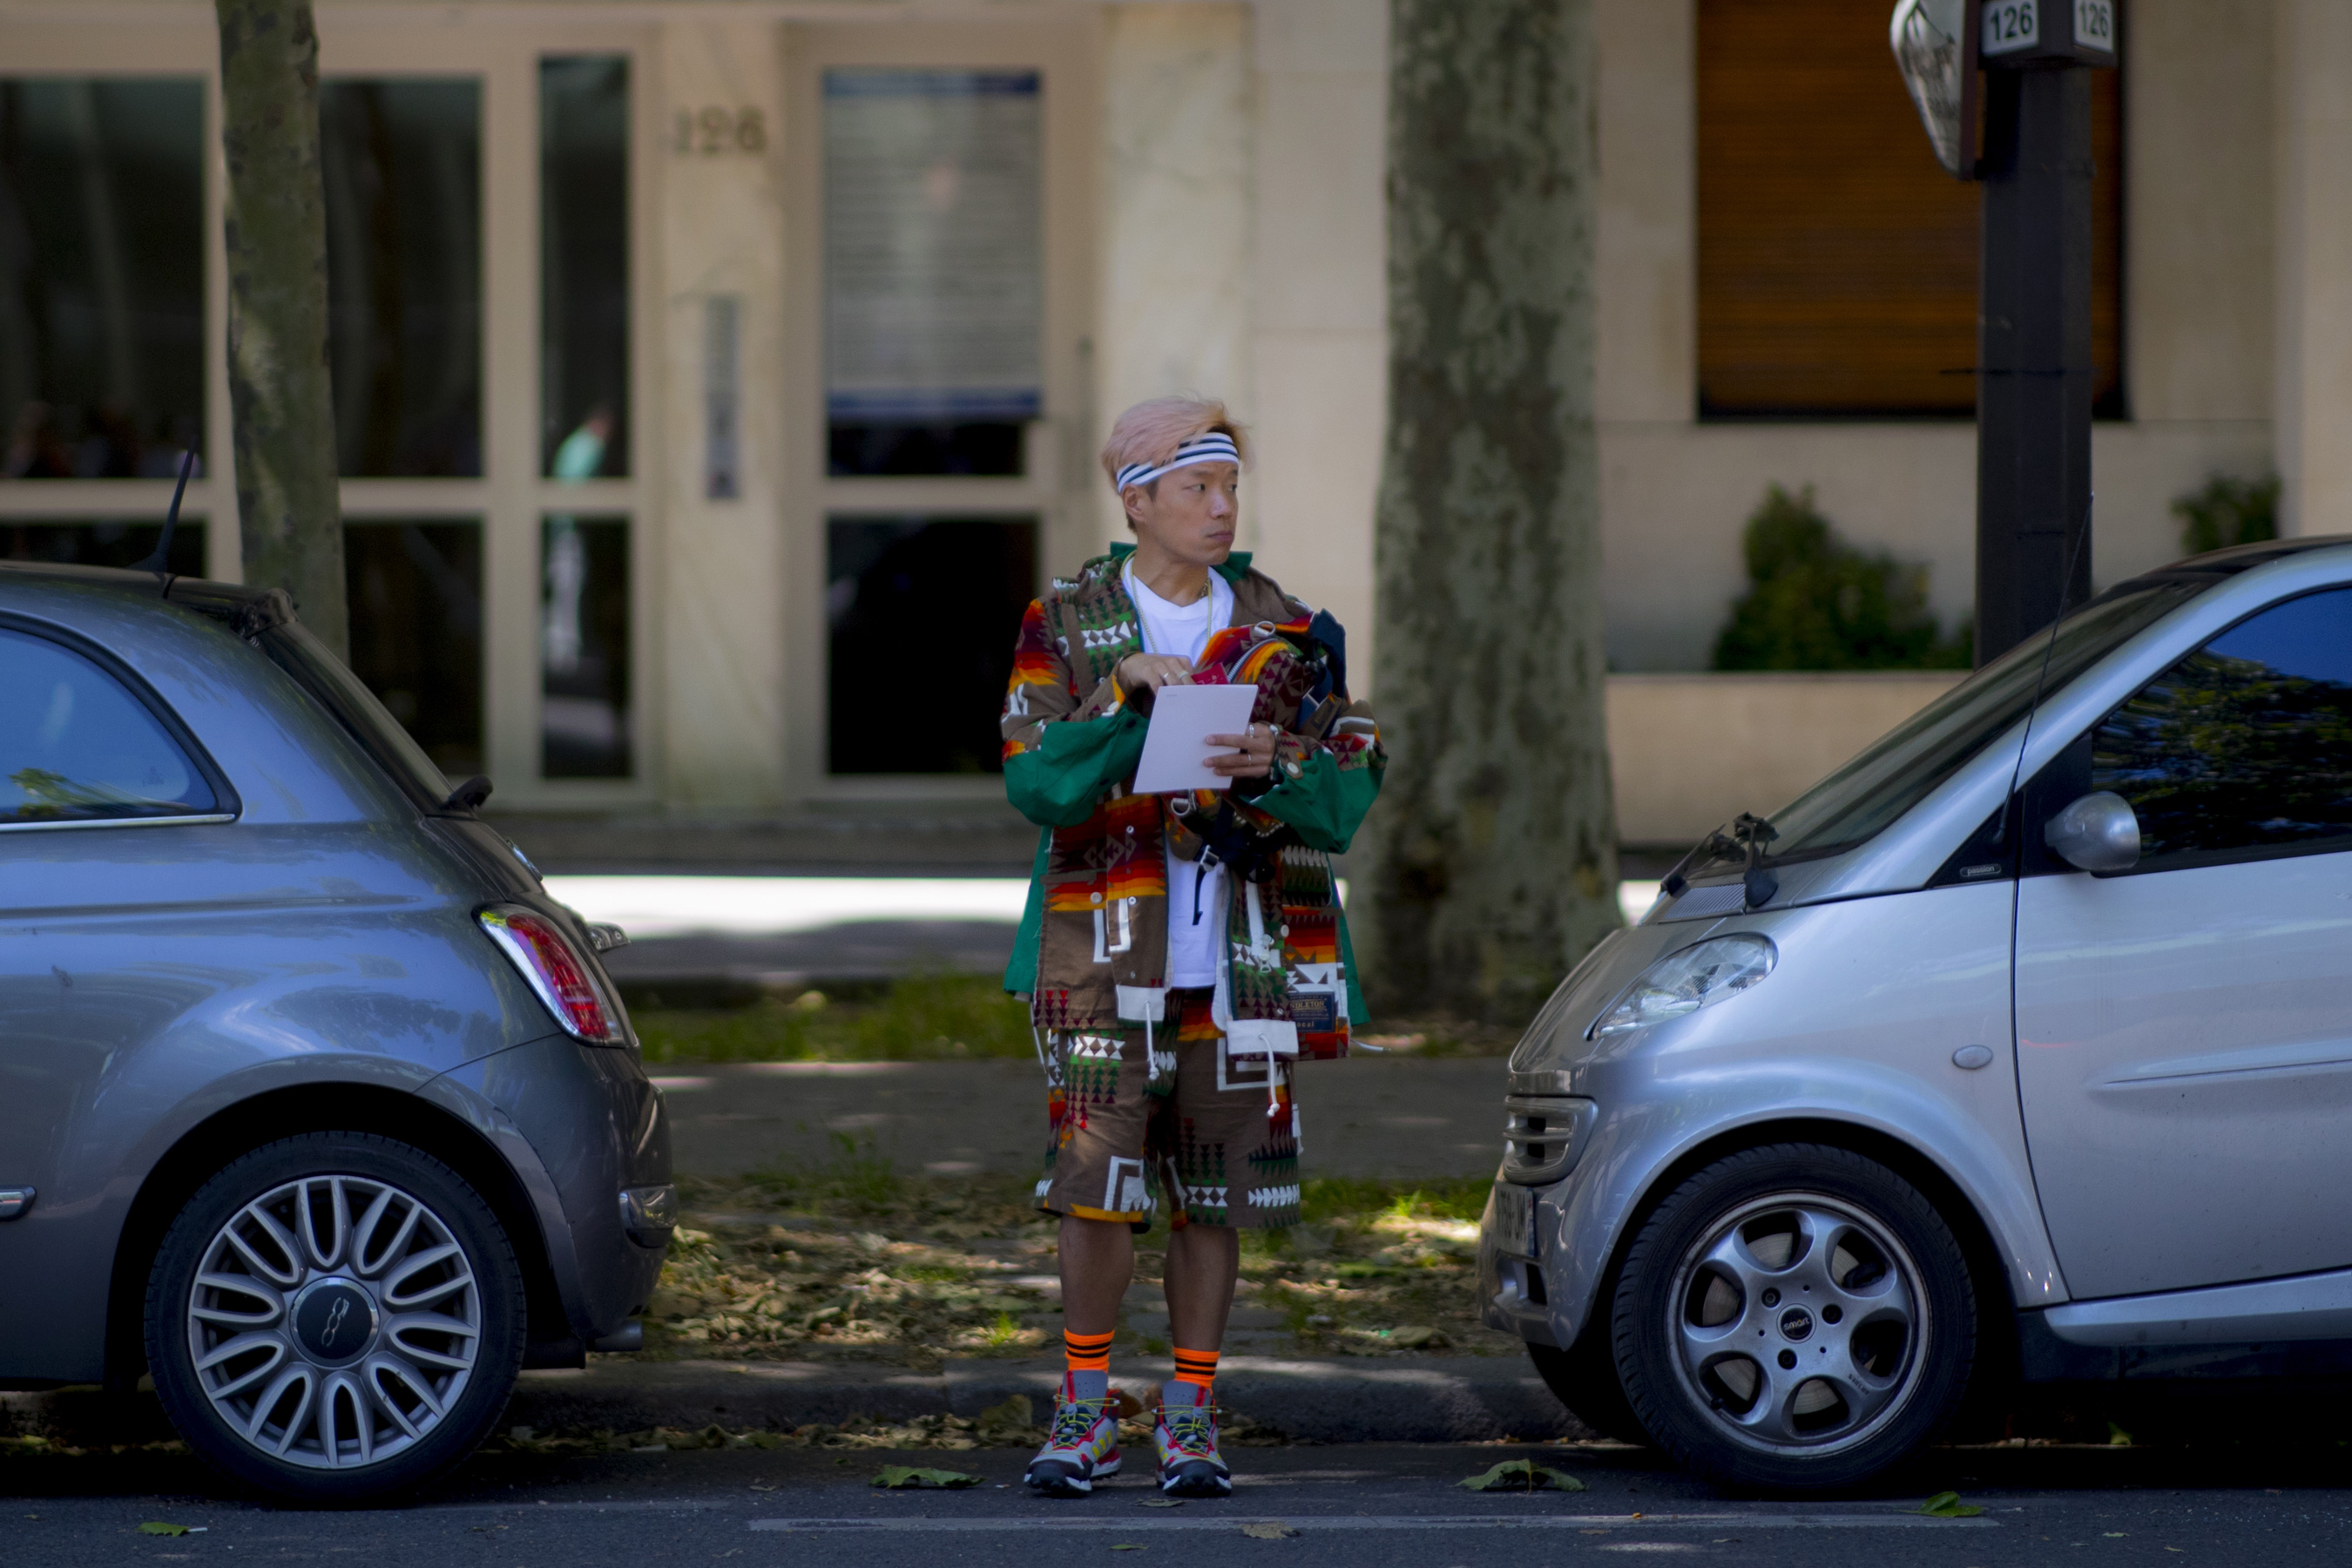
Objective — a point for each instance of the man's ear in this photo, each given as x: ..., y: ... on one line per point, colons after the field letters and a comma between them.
x: 1130, y: 500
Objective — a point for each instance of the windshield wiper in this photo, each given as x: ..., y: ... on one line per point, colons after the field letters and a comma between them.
x: 470, y: 796
x: 1750, y: 833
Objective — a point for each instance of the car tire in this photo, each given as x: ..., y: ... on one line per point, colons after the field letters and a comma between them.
x: 1584, y: 1379
x: 1794, y: 1319
x: 335, y: 1317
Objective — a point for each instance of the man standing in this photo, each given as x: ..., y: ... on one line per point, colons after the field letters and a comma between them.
x: 1180, y: 952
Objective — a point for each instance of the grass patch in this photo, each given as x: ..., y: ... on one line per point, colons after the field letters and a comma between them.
x: 1325, y: 1199
x: 924, y: 1017
x: 936, y: 1017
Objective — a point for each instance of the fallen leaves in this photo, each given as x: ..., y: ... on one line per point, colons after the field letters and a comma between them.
x: 1522, y: 1476
x: 906, y: 1478
x: 1267, y: 1530
x: 1947, y: 1505
x: 813, y: 1265
x: 157, y: 1527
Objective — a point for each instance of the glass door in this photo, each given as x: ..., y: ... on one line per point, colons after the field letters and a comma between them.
x: 938, y: 377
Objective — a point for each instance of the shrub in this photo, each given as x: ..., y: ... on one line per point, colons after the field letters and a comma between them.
x: 2228, y: 511
x: 1814, y: 601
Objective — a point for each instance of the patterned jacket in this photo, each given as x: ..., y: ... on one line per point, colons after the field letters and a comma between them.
x: 1093, y: 948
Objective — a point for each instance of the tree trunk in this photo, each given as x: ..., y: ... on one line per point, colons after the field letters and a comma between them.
x: 280, y: 396
x: 1494, y: 850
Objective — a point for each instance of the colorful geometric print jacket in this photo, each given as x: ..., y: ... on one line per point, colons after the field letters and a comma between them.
x: 1093, y: 948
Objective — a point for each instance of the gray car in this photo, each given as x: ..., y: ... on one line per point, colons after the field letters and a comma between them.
x: 2020, y: 1046
x: 313, y: 1103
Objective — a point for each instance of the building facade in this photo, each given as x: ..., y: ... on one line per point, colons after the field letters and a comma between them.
x: 713, y: 379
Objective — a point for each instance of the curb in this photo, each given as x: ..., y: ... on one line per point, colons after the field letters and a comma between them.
x: 1400, y: 1399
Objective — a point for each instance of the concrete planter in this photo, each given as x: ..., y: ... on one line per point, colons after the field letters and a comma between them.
x: 1691, y: 752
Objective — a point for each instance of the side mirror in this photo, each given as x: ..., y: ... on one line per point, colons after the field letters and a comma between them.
x: 2096, y: 833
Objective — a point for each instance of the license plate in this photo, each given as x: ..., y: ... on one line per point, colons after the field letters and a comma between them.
x: 1515, y: 1220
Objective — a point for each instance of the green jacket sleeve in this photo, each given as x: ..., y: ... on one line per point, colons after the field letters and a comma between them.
x: 1324, y: 802
x: 1021, y: 973
x: 1059, y: 779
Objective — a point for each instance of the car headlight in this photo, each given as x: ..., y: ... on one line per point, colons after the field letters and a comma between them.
x: 1684, y: 981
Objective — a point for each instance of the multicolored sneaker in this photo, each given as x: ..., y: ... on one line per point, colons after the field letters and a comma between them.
x: 1081, y: 1446
x: 1186, y: 1437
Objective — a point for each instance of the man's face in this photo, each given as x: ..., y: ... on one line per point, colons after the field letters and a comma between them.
x: 1194, y: 514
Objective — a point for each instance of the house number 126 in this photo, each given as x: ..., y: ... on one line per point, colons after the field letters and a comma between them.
x: 714, y: 128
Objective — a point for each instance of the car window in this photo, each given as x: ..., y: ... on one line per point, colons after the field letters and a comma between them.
x: 1897, y: 772
x: 2246, y: 744
x: 302, y: 655
x: 75, y: 746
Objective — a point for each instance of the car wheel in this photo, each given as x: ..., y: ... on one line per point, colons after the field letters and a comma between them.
x: 334, y: 1317
x: 1794, y: 1319
x: 1584, y: 1379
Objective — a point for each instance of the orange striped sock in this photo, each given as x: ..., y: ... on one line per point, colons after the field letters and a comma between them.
x: 1086, y: 1353
x: 1196, y: 1367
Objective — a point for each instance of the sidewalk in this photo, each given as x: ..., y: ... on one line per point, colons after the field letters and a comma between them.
x: 764, y: 931
x: 1392, y: 1117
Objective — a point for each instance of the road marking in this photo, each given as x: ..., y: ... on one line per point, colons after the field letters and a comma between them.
x: 1001, y: 1524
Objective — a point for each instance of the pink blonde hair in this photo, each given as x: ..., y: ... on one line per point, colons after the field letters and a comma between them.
x: 1151, y: 431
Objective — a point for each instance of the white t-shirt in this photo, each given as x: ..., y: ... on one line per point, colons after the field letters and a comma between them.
x: 1183, y: 630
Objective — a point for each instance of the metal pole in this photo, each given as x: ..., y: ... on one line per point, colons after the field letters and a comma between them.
x: 2033, y: 353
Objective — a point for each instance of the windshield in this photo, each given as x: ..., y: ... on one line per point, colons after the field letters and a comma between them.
x: 294, y: 650
x: 1897, y: 771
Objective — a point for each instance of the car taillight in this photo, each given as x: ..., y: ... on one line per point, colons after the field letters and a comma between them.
x: 558, y: 973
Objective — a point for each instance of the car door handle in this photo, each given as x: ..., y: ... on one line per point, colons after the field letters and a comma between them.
x: 15, y: 1201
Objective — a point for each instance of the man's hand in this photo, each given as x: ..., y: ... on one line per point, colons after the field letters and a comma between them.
x: 1252, y: 756
x: 1142, y: 672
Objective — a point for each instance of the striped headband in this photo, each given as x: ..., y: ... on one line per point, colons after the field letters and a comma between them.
x: 1214, y: 446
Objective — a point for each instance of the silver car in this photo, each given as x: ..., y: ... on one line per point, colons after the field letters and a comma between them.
x: 2020, y: 1046
x: 313, y: 1104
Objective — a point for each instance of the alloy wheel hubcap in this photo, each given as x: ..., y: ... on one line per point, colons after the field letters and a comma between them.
x: 334, y: 1321
x: 1798, y: 1323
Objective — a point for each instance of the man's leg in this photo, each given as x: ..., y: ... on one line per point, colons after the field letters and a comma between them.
x: 1203, y: 1260
x: 1097, y: 1259
x: 1099, y: 1103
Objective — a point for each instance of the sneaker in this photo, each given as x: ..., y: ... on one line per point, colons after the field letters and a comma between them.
x: 1186, y: 1437
x: 1081, y: 1446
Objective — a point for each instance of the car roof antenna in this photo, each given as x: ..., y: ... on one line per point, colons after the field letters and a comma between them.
x: 155, y: 563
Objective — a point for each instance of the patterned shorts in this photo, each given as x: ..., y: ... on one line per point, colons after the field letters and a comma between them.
x: 1196, y: 1135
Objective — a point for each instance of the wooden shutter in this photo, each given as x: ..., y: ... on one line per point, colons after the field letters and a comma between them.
x: 1837, y: 262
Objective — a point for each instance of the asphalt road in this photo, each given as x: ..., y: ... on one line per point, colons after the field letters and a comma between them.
x: 1353, y: 1507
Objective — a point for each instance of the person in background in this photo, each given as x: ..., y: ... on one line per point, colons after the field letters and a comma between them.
x: 1181, y: 952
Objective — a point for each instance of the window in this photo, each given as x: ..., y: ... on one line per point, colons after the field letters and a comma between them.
x: 934, y: 293
x: 1837, y: 262
x: 401, y: 160
x: 1900, y: 769
x: 584, y: 266
x: 928, y: 604
x: 2246, y: 744
x: 76, y: 747
x: 102, y: 277
x: 414, y: 587
x: 583, y: 701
